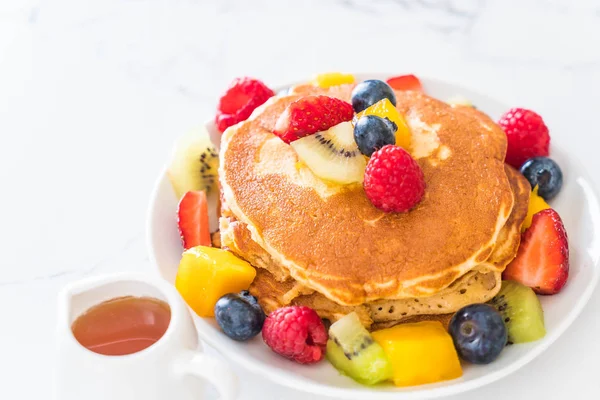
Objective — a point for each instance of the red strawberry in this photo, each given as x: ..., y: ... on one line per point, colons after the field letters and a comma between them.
x: 192, y: 217
x: 311, y: 114
x: 527, y: 136
x: 240, y: 99
x: 542, y: 262
x: 405, y: 82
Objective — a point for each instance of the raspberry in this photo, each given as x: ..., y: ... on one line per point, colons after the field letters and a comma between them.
x: 296, y: 333
x: 311, y: 114
x: 527, y: 136
x: 240, y: 99
x: 394, y: 181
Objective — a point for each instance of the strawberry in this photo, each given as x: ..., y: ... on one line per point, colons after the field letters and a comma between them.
x: 542, y: 262
x: 405, y: 82
x: 240, y: 99
x: 192, y: 218
x: 527, y: 136
x: 311, y: 114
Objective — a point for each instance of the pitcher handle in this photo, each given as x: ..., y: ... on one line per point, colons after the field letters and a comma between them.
x: 211, y: 370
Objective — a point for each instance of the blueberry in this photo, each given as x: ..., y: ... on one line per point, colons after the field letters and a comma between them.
x: 544, y: 173
x: 479, y: 333
x: 371, y: 133
x: 239, y: 315
x: 369, y: 92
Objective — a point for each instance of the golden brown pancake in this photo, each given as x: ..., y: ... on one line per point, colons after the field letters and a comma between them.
x: 474, y: 287
x: 330, y: 239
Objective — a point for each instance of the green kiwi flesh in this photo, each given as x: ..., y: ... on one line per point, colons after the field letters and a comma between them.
x: 352, y: 350
x: 522, y: 312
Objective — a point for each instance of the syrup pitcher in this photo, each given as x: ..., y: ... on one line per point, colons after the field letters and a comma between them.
x: 146, y: 326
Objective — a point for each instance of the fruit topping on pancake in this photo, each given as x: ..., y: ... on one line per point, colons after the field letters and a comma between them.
x: 405, y: 82
x: 332, y: 155
x: 371, y: 133
x: 385, y: 109
x: 330, y: 79
x: 369, y: 92
x: 394, y: 182
x: 311, y: 114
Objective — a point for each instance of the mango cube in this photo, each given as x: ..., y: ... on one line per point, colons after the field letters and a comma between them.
x: 420, y: 353
x: 332, y: 79
x: 385, y: 109
x: 207, y: 273
x: 536, y: 204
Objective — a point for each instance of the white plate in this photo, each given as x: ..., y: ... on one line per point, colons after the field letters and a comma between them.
x: 577, y: 204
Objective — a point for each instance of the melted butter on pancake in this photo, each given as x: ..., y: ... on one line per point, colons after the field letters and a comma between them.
x: 424, y: 137
x: 275, y: 155
x: 444, y: 152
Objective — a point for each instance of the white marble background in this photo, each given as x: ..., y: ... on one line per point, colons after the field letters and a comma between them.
x: 93, y: 93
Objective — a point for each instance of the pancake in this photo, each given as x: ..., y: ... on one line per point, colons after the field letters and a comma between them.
x: 330, y: 240
x: 477, y: 286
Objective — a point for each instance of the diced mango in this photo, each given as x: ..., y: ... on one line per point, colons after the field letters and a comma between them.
x: 332, y: 79
x: 207, y: 273
x: 420, y: 353
x: 536, y: 204
x: 385, y: 109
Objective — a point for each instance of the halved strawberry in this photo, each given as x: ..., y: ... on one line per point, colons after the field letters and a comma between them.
x: 192, y: 218
x: 542, y: 262
x: 405, y: 82
x: 311, y: 114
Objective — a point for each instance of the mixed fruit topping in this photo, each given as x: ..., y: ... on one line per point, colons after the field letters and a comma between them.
x: 333, y: 154
x: 330, y: 79
x: 309, y: 115
x: 367, y: 142
x: 318, y: 128
x: 384, y: 109
x: 405, y: 82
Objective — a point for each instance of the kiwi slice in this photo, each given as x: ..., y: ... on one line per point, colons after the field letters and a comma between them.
x: 352, y: 351
x: 333, y: 154
x: 522, y: 312
x: 194, y: 166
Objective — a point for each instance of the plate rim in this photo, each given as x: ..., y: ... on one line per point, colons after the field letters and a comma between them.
x: 294, y: 381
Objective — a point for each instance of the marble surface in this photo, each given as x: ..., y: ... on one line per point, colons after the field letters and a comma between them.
x: 93, y: 93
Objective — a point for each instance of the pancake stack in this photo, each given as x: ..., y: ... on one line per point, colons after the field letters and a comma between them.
x: 325, y: 246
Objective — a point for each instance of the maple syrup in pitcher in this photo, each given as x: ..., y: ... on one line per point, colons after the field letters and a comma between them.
x: 121, y: 326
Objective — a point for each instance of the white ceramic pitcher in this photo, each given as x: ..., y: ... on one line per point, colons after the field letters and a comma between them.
x: 173, y: 368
